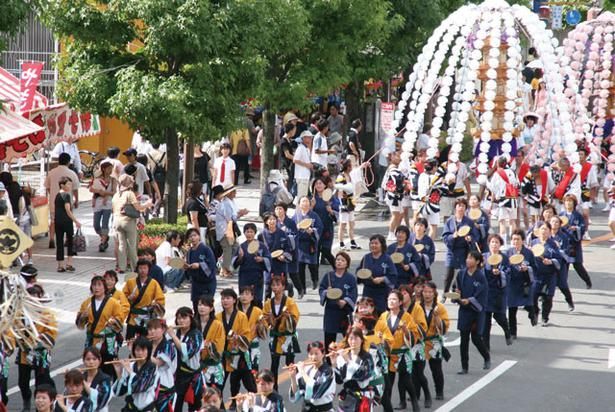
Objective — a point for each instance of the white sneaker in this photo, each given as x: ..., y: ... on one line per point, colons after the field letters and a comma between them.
x: 612, y: 240
x: 586, y: 236
x: 613, y: 247
x: 391, y: 238
x: 607, y: 208
x: 170, y: 290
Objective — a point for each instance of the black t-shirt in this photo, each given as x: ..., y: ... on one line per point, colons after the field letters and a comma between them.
x: 61, y: 216
x: 194, y: 205
x: 289, y: 146
x: 353, y: 137
x: 201, y: 168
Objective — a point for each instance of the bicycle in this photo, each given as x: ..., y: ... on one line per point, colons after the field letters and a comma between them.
x: 91, y: 163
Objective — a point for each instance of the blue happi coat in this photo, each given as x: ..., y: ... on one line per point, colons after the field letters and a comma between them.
x: 457, y: 248
x: 336, y: 319
x: 546, y: 275
x: 497, y: 297
x: 427, y: 256
x: 574, y: 251
x: 520, y: 288
x: 474, y: 288
x: 380, y: 266
x: 411, y: 258
x: 290, y: 228
x: 328, y: 227
x: 278, y: 240
x: 307, y: 244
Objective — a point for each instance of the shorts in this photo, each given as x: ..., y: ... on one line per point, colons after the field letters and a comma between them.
x: 507, y: 213
x: 416, y: 205
x: 395, y: 209
x: 433, y: 219
x: 406, y: 202
x: 612, y: 214
x: 346, y: 217
x: 586, y: 205
x: 534, y: 211
x: 447, y: 205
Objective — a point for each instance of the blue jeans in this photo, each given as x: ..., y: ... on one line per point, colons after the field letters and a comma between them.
x: 174, y: 278
x: 101, y: 222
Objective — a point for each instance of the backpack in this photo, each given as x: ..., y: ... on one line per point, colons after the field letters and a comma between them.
x: 159, y: 173
x: 268, y: 200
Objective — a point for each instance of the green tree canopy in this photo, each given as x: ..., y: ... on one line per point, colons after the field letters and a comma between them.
x: 164, y: 67
x: 12, y: 15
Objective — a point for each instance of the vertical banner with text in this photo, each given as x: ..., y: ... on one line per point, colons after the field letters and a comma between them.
x: 28, y: 82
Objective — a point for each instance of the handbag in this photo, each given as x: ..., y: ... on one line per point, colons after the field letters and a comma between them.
x: 33, y: 217
x: 229, y: 232
x: 129, y: 210
x: 79, y: 242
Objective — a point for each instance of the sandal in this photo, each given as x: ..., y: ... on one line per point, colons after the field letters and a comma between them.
x: 61, y: 270
x: 70, y: 268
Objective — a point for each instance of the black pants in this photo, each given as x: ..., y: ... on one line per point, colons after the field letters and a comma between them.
x: 61, y: 230
x: 294, y: 277
x: 464, y: 347
x: 450, y: 273
x: 4, y: 398
x: 242, y: 164
x: 406, y: 384
x: 275, y: 366
x: 512, y: 318
x: 326, y: 253
x: 582, y: 272
x: 418, y: 380
x: 567, y: 295
x: 41, y: 376
x: 242, y: 375
x: 547, y: 305
x: 182, y: 382
x: 330, y: 338
x: 435, y: 365
x: 500, y: 318
x: 313, y: 274
x: 134, y: 330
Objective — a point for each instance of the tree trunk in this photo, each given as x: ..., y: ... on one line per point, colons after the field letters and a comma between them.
x: 267, y: 161
x: 353, y: 102
x: 188, y: 167
x: 172, y: 180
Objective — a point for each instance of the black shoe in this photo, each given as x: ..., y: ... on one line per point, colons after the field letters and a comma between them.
x: 415, y: 406
x: 509, y: 340
x: 588, y: 285
x: 301, y: 294
x: 487, y: 365
x: 52, y: 244
x: 101, y: 247
x: 514, y: 337
x: 353, y: 245
x: 439, y: 396
x: 534, y: 320
x: 247, y: 182
x: 427, y: 403
x: 401, y: 407
x: 462, y: 372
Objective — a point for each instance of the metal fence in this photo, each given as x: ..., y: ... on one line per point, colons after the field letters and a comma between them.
x: 34, y: 42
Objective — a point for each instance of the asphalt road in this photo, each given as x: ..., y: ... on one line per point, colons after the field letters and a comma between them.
x: 562, y: 367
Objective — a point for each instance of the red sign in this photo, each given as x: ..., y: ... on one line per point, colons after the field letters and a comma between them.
x: 28, y: 82
x: 386, y: 116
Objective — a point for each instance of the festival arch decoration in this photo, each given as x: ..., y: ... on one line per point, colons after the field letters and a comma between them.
x: 475, y: 56
x: 588, y: 62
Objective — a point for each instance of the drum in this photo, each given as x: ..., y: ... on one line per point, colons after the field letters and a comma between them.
x: 277, y: 253
x: 253, y: 247
x: 334, y: 293
x: 176, y: 263
x: 495, y: 259
x: 516, y: 259
x: 327, y: 194
x: 475, y: 214
x: 419, y: 247
x: 305, y: 224
x: 364, y: 273
x: 463, y: 231
x: 538, y: 250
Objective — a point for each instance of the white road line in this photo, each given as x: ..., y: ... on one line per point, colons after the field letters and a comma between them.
x: 54, y: 373
x: 77, y: 257
x: 455, y: 342
x: 476, y: 386
x: 611, y: 362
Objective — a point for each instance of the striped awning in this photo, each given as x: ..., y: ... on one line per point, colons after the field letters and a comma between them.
x: 10, y: 92
x: 13, y: 125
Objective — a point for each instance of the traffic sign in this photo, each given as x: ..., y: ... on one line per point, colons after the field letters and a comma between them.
x: 573, y: 17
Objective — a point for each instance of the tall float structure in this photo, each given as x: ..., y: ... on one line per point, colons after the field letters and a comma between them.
x: 588, y: 62
x: 476, y: 59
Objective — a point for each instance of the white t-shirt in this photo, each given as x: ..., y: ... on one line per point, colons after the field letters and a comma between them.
x: 103, y: 202
x: 141, y: 177
x: 302, y: 153
x: 228, y: 168
x: 163, y: 253
x: 320, y: 143
x: 117, y: 166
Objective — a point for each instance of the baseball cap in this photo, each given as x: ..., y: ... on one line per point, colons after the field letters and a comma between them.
x: 130, y: 152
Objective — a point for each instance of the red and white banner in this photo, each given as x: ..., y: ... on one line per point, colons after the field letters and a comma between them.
x: 9, y: 92
x: 28, y: 82
x: 63, y: 124
x: 386, y: 117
